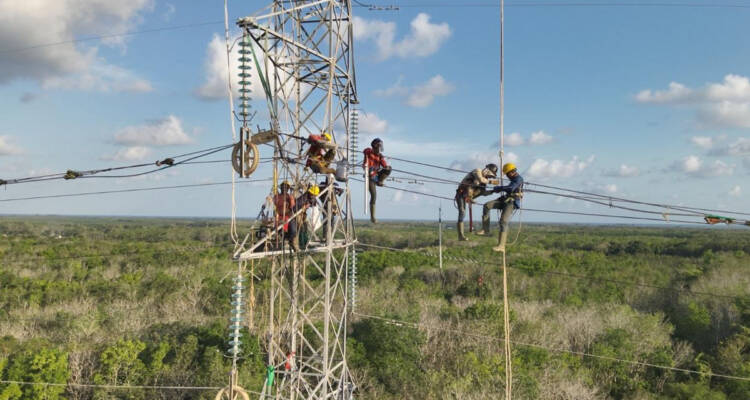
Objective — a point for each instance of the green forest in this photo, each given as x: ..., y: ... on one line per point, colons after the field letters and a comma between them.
x: 145, y: 302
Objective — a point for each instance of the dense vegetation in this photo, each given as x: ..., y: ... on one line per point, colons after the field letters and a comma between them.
x: 142, y: 302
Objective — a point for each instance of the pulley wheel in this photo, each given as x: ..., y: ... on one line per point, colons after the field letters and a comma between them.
x: 246, y: 165
x: 239, y: 394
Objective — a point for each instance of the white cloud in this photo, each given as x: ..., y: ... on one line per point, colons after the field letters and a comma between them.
x: 736, y: 191
x: 514, y: 139
x: 424, y: 38
x: 725, y: 104
x: 726, y: 113
x: 624, y: 171
x: 214, y: 86
x: 694, y: 166
x: 479, y: 159
x: 677, y: 93
x: 100, y: 77
x: 370, y: 123
x: 734, y: 88
x: 7, y: 148
x: 539, y: 137
x: 423, y: 95
x: 419, y: 96
x: 134, y: 153
x: 169, y: 11
x: 542, y: 168
x: 164, y: 132
x: 740, y: 147
x: 29, y: 25
x: 704, y: 142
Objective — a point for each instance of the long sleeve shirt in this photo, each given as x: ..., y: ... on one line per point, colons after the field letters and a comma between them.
x: 513, y: 187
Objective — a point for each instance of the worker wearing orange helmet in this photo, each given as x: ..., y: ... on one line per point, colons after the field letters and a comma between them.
x: 320, y: 154
x: 508, y: 202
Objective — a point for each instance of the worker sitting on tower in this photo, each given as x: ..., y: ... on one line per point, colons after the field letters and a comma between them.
x: 377, y: 170
x: 508, y: 202
x: 284, y: 209
x: 320, y: 154
x: 472, y: 186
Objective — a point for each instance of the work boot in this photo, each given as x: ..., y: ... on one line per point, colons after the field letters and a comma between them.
x: 501, y: 242
x: 482, y: 232
x: 372, y: 214
x: 460, y: 229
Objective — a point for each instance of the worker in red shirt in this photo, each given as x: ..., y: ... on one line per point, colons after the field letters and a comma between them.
x: 320, y: 154
x: 283, y: 203
x: 377, y: 170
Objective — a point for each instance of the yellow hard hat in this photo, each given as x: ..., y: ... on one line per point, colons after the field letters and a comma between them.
x: 508, y: 167
x: 285, y: 183
x: 327, y: 136
x: 314, y: 190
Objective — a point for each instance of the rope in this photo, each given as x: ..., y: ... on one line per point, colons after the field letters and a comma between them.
x: 73, y: 174
x: 397, y: 322
x: 56, y: 196
x: 233, y: 222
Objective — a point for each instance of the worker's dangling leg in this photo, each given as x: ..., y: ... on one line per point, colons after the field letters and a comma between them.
x: 292, y: 234
x: 373, y: 196
x: 382, y: 176
x: 488, y: 206
x: 461, y: 204
x: 504, y: 221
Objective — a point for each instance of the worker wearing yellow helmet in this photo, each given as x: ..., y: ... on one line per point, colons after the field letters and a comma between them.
x: 321, y: 152
x: 508, y: 202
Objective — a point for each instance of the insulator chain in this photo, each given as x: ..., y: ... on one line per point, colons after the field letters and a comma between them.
x: 245, y: 78
x: 353, y: 280
x: 238, y: 304
x: 354, y: 136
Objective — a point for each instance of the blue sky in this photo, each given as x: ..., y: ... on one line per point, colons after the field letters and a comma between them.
x: 651, y: 103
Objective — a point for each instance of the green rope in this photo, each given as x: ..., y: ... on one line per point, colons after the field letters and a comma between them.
x: 269, y: 375
x: 266, y: 87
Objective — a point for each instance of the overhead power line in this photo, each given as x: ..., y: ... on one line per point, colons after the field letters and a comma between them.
x: 161, y: 165
x: 111, y: 35
x: 562, y: 4
x: 397, y: 322
x: 55, y: 196
x: 565, y: 274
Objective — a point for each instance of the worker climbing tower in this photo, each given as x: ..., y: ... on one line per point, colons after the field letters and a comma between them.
x: 302, y: 53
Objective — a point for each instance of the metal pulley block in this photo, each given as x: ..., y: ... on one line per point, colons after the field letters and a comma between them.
x: 263, y: 137
x: 245, y: 157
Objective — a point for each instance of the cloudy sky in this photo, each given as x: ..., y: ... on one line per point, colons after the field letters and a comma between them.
x: 651, y: 103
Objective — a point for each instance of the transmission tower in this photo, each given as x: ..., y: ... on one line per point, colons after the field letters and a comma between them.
x: 302, y: 51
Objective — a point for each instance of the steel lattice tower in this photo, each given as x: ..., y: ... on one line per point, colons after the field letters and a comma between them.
x: 303, y: 52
